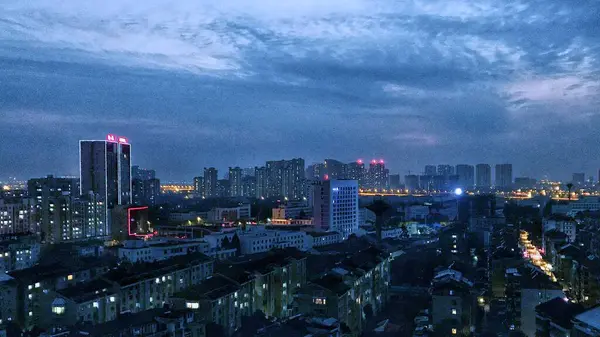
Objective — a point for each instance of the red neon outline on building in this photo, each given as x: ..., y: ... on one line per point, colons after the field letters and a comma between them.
x: 129, y: 221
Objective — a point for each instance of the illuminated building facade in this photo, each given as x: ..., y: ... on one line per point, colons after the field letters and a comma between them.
x: 210, y: 182
x: 105, y: 171
x: 336, y: 206
x: 504, y: 176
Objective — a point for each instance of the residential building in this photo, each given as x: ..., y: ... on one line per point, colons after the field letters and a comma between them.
x: 219, y: 300
x: 17, y: 215
x: 466, y: 176
x: 292, y: 210
x: 587, y: 324
x: 142, y: 174
x: 358, y: 281
x: 524, y: 183
x: 136, y: 251
x: 411, y: 182
x: 210, y: 182
x: 394, y: 181
x: 236, y: 187
x: 527, y: 288
x: 430, y: 170
x: 356, y: 171
x: 554, y: 318
x: 285, y: 178
x: 335, y: 169
x: 18, y: 252
x: 562, y: 224
x: 262, y: 190
x: 148, y: 323
x: 146, y: 192
x: 378, y: 175
x: 336, y: 206
x: 483, y: 174
x: 9, y: 300
x: 504, y: 176
x: 199, y: 186
x: 452, y: 302
x: 148, y: 286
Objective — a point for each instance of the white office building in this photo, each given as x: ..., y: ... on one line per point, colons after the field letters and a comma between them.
x: 336, y: 206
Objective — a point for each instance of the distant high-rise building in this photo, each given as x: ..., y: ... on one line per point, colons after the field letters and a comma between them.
x: 504, y: 176
x: 210, y: 182
x: 394, y: 181
x: 466, y: 176
x: 142, y: 174
x: 445, y: 170
x: 430, y: 170
x: 335, y: 169
x: 411, y: 182
x: 578, y: 179
x: 248, y: 172
x: 223, y: 188
x: 260, y: 174
x: 249, y: 186
x: 377, y: 177
x: 105, y: 168
x: 425, y: 182
x: 483, y: 173
x: 199, y: 186
x: 285, y: 178
x: 356, y: 171
x: 146, y: 192
x: 236, y: 189
x: 335, y: 206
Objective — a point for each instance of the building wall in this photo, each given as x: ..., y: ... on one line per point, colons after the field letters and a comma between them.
x: 530, y: 298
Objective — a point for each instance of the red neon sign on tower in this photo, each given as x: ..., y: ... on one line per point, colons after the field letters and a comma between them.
x: 117, y: 139
x: 129, y: 210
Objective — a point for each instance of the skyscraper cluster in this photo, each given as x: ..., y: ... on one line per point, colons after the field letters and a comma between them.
x: 465, y: 176
x: 376, y: 176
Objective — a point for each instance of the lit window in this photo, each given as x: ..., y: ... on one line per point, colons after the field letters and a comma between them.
x: 37, y: 284
x: 70, y: 277
x: 112, y: 299
x: 58, y: 310
x: 30, y: 287
x: 30, y: 296
x: 454, y: 331
x: 192, y: 305
x: 95, y: 304
x: 453, y: 311
x: 30, y: 313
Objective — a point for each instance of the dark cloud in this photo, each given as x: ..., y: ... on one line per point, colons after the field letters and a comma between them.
x: 222, y: 84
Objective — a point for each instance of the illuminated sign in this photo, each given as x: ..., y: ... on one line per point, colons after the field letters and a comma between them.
x: 117, y: 139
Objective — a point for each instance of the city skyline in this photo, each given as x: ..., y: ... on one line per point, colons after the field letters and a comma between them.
x: 231, y: 83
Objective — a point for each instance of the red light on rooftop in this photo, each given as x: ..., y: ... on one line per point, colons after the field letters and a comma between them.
x: 123, y: 140
x: 360, y: 161
x: 381, y: 161
x: 111, y: 138
x: 326, y: 177
x: 373, y: 161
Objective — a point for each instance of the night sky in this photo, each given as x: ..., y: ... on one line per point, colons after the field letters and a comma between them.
x: 237, y: 82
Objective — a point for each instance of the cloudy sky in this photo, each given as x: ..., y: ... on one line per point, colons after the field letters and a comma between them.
x: 237, y: 82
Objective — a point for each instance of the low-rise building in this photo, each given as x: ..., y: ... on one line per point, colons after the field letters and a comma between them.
x: 93, y: 302
x: 220, y: 300
x: 320, y: 239
x: 587, y: 324
x: 263, y: 240
x: 8, y: 300
x: 229, y: 213
x: 562, y: 224
x: 147, y: 286
x: 452, y: 302
x: 554, y: 318
x: 18, y: 252
x: 149, y: 323
x: 359, y: 284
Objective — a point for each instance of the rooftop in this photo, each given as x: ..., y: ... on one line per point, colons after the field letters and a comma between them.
x: 87, y: 291
x: 590, y: 317
x: 560, y: 311
x: 142, y: 271
x: 332, y: 282
x: 212, y: 288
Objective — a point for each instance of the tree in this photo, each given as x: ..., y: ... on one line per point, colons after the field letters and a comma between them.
x: 225, y: 243
x: 569, y: 187
x: 235, y: 243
